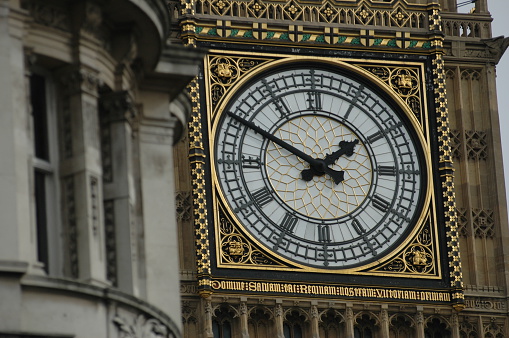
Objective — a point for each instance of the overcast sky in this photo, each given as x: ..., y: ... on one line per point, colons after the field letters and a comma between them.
x: 499, y: 9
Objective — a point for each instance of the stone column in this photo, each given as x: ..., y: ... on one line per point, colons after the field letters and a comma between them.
x: 384, y: 317
x: 117, y: 112
x: 81, y: 171
x: 17, y: 242
x: 244, y: 329
x: 158, y: 216
x: 419, y: 323
x: 455, y: 326
x: 207, y: 319
x: 349, y: 322
x: 279, y: 319
x: 315, y: 331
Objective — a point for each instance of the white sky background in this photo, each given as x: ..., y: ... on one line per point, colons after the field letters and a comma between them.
x: 499, y: 10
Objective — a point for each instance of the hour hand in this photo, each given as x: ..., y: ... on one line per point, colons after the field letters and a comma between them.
x: 345, y: 148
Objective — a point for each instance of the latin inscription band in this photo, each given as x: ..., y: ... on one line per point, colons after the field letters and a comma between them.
x: 331, y: 290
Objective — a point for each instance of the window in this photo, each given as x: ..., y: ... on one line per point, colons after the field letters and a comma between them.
x: 292, y: 328
x: 44, y: 164
x: 364, y: 328
x: 222, y: 323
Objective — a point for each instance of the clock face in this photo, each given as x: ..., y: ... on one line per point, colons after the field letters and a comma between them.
x: 318, y: 167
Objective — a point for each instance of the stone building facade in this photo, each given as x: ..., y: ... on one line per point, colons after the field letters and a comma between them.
x: 93, y: 99
x: 111, y: 226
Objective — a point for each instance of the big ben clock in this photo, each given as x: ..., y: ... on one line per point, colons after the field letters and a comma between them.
x: 319, y: 167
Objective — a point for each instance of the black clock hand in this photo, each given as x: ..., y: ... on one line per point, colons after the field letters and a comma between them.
x: 345, y: 148
x: 319, y: 166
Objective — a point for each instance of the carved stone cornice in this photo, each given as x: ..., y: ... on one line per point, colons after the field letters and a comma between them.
x: 117, y: 106
x: 48, y: 15
x: 497, y: 46
x: 78, y: 79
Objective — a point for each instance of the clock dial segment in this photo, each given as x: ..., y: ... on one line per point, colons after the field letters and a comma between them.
x: 318, y: 167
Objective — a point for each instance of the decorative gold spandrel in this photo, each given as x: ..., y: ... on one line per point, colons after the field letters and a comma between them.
x: 225, y: 71
x: 237, y: 249
x: 404, y: 81
x: 419, y: 257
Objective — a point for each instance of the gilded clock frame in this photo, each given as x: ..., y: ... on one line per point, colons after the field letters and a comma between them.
x: 418, y: 256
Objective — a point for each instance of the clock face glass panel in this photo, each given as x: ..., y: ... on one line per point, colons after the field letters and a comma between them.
x: 318, y: 167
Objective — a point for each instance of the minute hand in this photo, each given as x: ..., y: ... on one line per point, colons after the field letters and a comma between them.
x: 318, y: 165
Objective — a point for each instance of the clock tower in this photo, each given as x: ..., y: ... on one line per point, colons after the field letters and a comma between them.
x: 341, y: 176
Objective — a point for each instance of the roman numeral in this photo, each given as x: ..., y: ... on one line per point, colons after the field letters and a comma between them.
x: 357, y: 226
x: 262, y: 197
x: 384, y: 170
x: 314, y: 100
x: 324, y: 233
x: 380, y: 134
x: 354, y: 100
x: 379, y: 203
x: 375, y: 137
x: 250, y: 162
x: 280, y: 104
x: 288, y: 223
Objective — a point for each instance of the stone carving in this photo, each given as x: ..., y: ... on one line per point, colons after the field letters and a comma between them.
x: 477, y: 145
x: 463, y: 222
x: 184, y: 206
x: 72, y: 226
x: 484, y: 225
x: 47, y: 15
x: 110, y: 241
x: 497, y: 46
x: 141, y: 327
x: 455, y: 143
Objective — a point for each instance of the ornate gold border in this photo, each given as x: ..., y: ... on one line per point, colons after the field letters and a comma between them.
x: 369, y: 269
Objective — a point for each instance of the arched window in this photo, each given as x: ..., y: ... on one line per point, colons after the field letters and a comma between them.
x: 401, y: 327
x: 293, y: 326
x: 329, y: 325
x: 259, y: 324
x: 365, y: 327
x: 436, y: 329
x: 222, y: 323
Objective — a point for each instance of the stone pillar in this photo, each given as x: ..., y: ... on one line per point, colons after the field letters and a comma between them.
x: 419, y: 323
x: 279, y: 319
x: 455, y: 326
x: 117, y: 112
x: 157, y: 191
x: 17, y: 242
x: 244, y: 329
x: 207, y: 319
x: 384, y: 316
x: 81, y: 171
x: 349, y: 322
x: 315, y: 331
